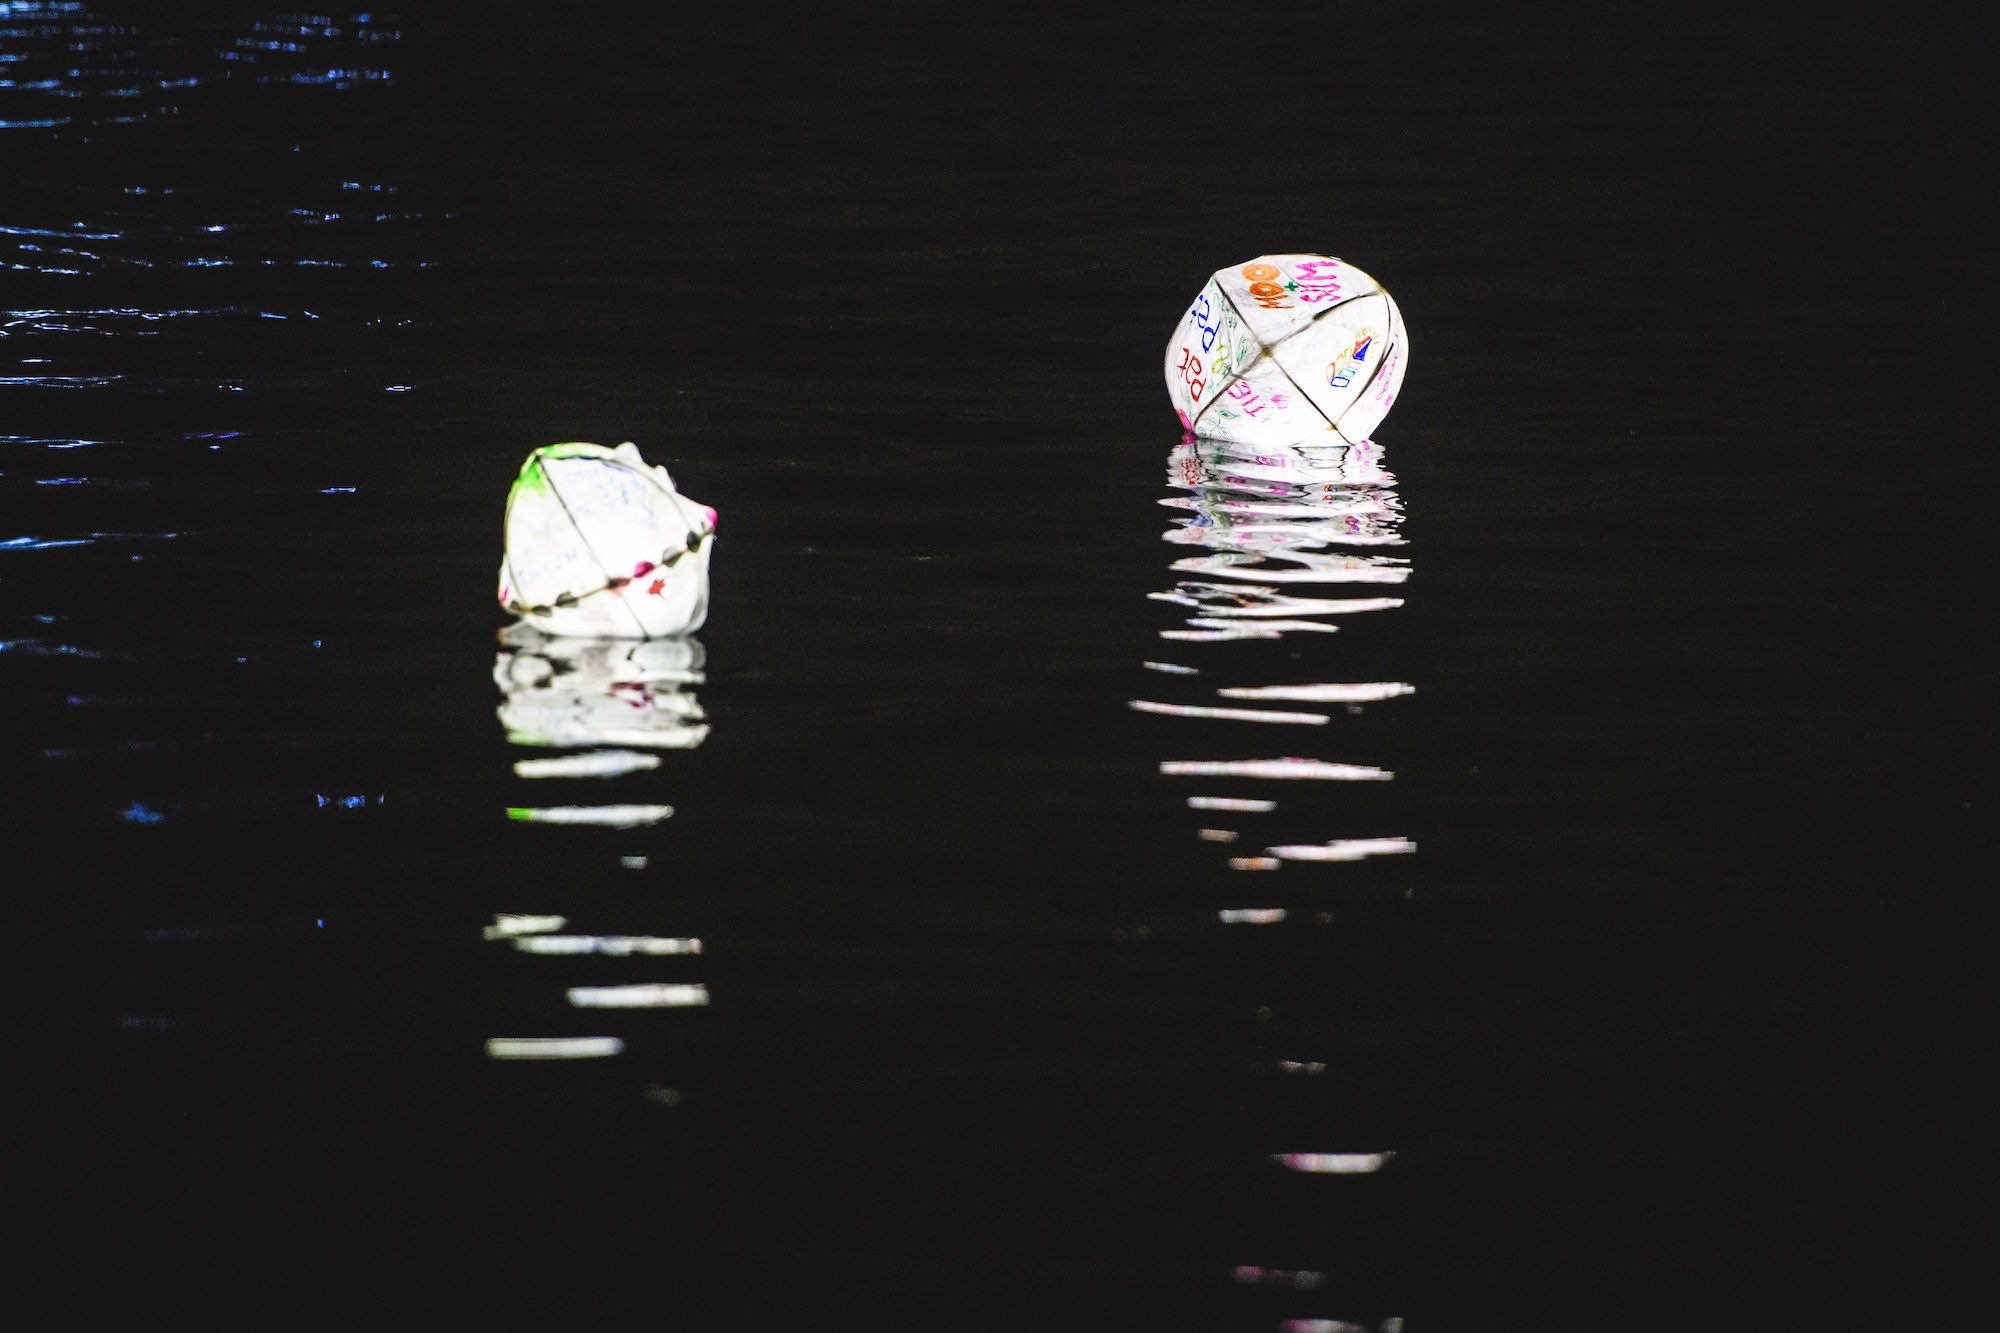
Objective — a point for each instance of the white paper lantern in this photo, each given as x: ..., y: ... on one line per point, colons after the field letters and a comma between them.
x: 1288, y: 349
x: 599, y: 545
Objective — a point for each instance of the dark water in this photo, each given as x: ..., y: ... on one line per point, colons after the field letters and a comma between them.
x: 1669, y: 1016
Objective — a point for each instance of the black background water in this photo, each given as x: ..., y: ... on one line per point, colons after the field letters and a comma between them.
x: 1669, y: 1015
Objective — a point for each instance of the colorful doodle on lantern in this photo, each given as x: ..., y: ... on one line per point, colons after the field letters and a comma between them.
x: 1317, y: 281
x: 1311, y: 282
x: 1203, y: 315
x: 1385, y: 388
x: 1265, y: 287
x: 1191, y: 372
x: 1248, y: 402
x: 1220, y: 367
x: 1340, y: 371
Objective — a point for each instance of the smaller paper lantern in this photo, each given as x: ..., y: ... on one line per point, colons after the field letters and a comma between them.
x: 599, y: 545
x: 1286, y: 350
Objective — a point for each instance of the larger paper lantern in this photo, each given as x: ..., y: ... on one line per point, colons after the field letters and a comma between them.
x: 599, y: 545
x: 1288, y: 349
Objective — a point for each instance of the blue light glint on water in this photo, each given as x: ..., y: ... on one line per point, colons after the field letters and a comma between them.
x: 37, y: 648
x: 139, y: 814
x: 75, y: 234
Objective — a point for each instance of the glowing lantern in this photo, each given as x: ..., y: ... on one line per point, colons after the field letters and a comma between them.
x: 1288, y: 350
x: 599, y: 545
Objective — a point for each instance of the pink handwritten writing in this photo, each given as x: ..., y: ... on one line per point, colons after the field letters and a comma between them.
x: 1385, y: 392
x: 1252, y: 403
x: 1317, y: 280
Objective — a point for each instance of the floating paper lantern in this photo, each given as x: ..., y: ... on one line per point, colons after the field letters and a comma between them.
x: 1288, y: 350
x: 599, y: 545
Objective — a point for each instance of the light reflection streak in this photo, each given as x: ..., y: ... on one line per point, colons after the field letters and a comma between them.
x: 1264, y: 628
x: 61, y: 235
x: 1223, y: 635
x: 1300, y: 1279
x: 1334, y: 1163
x: 1261, y: 629
x: 1215, y: 528
x: 657, y: 996
x: 617, y: 705
x: 599, y: 692
x: 1229, y: 803
x: 1334, y: 505
x: 1322, y: 693
x: 42, y: 648
x: 508, y: 924
x: 1344, y: 849
x: 1274, y: 518
x: 552, y: 1048
x: 617, y: 946
x: 1216, y: 599
x: 603, y: 816
x: 1275, y: 769
x: 1318, y: 569
x: 40, y: 543
x: 593, y: 764
x: 1228, y: 714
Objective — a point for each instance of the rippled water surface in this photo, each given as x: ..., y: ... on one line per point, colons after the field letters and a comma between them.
x: 1508, y: 874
